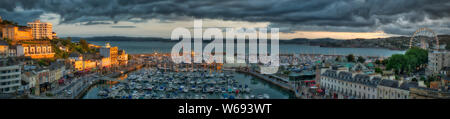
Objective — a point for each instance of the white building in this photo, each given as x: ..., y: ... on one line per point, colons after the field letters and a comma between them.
x: 35, y: 51
x: 30, y: 79
x: 9, y: 76
x: 347, y: 85
x: 393, y: 89
x: 41, y: 30
x: 436, y: 61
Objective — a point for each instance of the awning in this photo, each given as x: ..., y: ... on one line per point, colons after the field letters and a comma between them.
x: 319, y: 90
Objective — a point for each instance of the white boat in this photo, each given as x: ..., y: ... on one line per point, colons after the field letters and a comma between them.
x: 204, y: 97
x: 246, y: 90
x: 199, y: 82
x: 260, y: 96
x: 102, y: 93
x: 197, y: 97
x: 266, y: 96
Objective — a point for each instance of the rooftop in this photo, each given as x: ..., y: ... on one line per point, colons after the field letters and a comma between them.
x: 407, y: 85
x: 389, y: 83
x: 358, y: 78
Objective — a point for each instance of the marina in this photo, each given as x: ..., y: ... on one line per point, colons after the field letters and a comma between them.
x: 155, y: 84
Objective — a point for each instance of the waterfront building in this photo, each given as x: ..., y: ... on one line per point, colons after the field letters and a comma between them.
x: 110, y: 52
x: 41, y: 30
x: 35, y: 51
x: 437, y: 60
x: 15, y: 33
x: 105, y: 62
x: 88, y: 61
x: 123, y: 57
x: 10, y: 75
x: 82, y: 65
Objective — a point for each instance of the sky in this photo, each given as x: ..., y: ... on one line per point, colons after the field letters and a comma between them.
x: 339, y: 19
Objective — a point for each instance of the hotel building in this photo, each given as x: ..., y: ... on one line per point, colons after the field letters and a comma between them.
x: 123, y: 57
x: 41, y: 30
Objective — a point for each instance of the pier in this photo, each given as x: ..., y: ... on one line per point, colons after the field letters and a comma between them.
x: 280, y: 82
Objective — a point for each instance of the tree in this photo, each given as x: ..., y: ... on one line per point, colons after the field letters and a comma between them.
x: 350, y: 58
x: 413, y: 58
x: 361, y: 59
x: 414, y: 80
x: 420, y: 54
x: 396, y: 62
x: 378, y: 70
x: 378, y: 62
x: 84, y: 46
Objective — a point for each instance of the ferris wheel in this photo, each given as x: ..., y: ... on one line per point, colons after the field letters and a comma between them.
x: 424, y: 38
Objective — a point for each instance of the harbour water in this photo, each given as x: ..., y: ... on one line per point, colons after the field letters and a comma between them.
x: 139, y: 47
x: 258, y: 86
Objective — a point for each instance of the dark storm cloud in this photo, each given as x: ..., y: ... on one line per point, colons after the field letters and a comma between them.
x: 97, y: 23
x: 391, y: 16
x: 123, y: 26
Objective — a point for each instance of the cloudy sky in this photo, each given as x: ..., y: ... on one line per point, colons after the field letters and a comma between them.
x: 341, y: 19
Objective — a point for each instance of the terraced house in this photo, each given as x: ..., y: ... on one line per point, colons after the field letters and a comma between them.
x: 35, y: 50
x: 393, y: 89
x: 345, y: 85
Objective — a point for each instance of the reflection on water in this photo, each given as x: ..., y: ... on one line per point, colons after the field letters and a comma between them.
x: 257, y: 87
